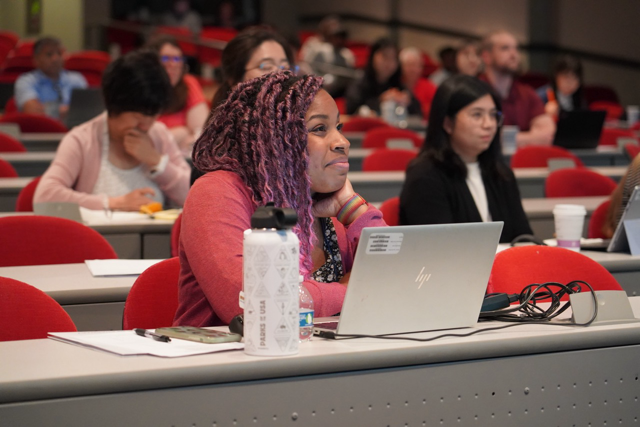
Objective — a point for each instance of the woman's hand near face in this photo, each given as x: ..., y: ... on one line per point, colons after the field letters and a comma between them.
x: 328, y: 205
x: 138, y: 144
x: 133, y: 200
x: 551, y: 108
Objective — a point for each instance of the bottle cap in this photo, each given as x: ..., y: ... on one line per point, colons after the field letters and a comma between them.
x: 271, y: 217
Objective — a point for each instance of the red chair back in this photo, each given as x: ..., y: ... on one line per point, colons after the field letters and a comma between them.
x: 538, y: 157
x: 91, y: 63
x: 632, y: 150
x: 385, y: 159
x: 517, y: 267
x: 363, y: 124
x: 597, y: 221
x: 390, y: 209
x: 6, y: 170
x: 34, y: 123
x: 153, y: 299
x: 609, y: 136
x: 578, y: 183
x: 175, y: 236
x: 25, y: 197
x: 594, y: 93
x: 8, y: 41
x: 534, y: 79
x: 613, y: 109
x: 211, y: 55
x: 18, y: 63
x: 27, y: 313
x: 10, y: 106
x: 378, y: 137
x: 41, y: 240
x: 9, y: 144
x: 360, y: 52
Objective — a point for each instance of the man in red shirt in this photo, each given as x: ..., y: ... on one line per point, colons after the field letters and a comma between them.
x: 521, y: 106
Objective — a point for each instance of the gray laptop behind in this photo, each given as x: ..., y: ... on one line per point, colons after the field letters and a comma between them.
x: 619, y: 240
x: 84, y: 105
x: 417, y: 278
x: 65, y: 210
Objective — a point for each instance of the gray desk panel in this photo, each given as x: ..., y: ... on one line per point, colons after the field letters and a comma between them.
x: 96, y: 317
x: 528, y: 390
x: 126, y: 245
x: 156, y: 246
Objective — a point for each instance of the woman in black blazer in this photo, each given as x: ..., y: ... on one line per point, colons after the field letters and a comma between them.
x: 459, y: 175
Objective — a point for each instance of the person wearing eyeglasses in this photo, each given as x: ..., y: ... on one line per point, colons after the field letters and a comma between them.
x: 459, y: 174
x: 187, y: 110
x: 254, y: 52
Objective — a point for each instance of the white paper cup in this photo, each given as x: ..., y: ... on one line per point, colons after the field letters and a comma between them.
x: 633, y: 114
x: 569, y: 222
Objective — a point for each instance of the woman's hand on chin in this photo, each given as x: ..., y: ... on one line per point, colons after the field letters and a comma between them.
x: 327, y: 205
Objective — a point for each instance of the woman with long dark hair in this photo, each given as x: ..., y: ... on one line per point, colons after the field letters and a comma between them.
x: 275, y: 139
x: 459, y: 175
x: 382, y: 81
x: 566, y: 90
x: 187, y: 110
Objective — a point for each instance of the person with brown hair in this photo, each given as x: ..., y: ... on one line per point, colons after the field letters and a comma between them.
x: 187, y: 110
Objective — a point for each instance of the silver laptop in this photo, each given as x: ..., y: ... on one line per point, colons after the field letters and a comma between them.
x: 65, y: 210
x: 416, y: 278
x: 620, y: 240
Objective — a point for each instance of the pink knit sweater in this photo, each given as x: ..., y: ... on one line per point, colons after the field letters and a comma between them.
x: 217, y: 211
x: 75, y: 169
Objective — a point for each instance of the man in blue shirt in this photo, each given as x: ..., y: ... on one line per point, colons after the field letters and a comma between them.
x: 47, y: 90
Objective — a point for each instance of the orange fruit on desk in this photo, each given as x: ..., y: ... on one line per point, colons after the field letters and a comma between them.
x: 151, y: 208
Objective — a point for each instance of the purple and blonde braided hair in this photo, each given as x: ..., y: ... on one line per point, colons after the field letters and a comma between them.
x: 259, y: 133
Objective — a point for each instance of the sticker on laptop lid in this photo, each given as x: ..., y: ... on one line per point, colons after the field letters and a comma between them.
x: 385, y: 243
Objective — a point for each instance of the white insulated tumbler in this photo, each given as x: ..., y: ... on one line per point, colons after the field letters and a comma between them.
x: 271, y: 268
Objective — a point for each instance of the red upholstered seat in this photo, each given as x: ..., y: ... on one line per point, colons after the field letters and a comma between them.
x: 632, y: 150
x: 210, y: 54
x: 385, y: 159
x: 610, y: 136
x: 597, y: 221
x: 378, y: 137
x: 6, y: 170
x: 10, y: 106
x: 390, y: 209
x: 9, y: 144
x: 363, y: 124
x: 175, y: 235
x: 517, y: 267
x: 25, y: 197
x: 39, y: 240
x: 34, y: 123
x: 538, y: 157
x: 580, y: 182
x: 27, y: 313
x: 153, y: 299
x: 613, y: 109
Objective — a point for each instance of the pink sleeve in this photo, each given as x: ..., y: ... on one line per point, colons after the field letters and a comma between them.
x: 57, y: 183
x: 216, y: 213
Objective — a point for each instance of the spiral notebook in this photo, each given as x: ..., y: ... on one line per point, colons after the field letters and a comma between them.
x: 416, y: 278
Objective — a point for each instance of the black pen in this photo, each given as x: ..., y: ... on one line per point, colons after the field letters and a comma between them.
x: 147, y: 333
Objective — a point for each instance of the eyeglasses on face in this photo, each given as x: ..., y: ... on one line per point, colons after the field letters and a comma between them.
x: 171, y: 58
x: 494, y: 116
x: 270, y: 67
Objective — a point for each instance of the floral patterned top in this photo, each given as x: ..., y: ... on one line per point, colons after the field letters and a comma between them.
x: 331, y: 270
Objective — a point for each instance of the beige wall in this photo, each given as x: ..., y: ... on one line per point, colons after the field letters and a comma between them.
x: 60, y: 18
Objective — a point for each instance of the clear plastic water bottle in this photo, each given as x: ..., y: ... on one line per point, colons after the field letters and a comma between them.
x: 388, y: 112
x: 306, y: 313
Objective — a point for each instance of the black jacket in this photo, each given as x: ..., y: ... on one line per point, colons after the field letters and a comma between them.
x: 432, y: 196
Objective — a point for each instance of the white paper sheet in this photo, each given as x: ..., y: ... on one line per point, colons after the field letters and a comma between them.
x: 119, y: 267
x: 128, y: 343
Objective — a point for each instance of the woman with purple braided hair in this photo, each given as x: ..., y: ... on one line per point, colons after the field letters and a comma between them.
x: 276, y: 138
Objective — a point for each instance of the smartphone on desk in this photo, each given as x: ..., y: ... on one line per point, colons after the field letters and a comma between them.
x: 192, y: 333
